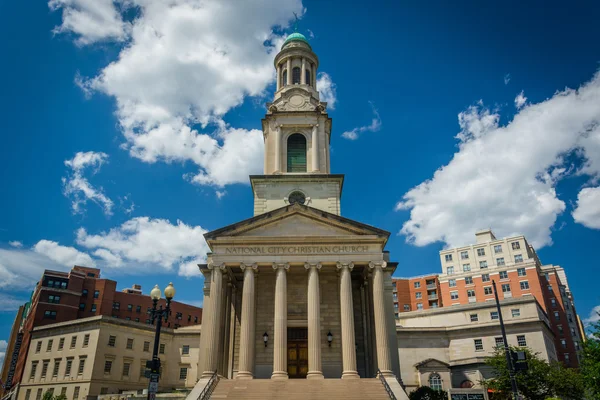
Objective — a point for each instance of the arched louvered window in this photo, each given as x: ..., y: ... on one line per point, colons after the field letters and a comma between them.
x: 295, y: 75
x: 284, y: 78
x: 435, y: 381
x: 307, y: 77
x: 296, y: 153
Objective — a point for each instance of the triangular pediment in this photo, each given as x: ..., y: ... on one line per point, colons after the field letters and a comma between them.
x: 432, y: 363
x: 296, y: 221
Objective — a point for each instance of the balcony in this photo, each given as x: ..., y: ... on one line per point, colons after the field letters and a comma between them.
x: 432, y: 296
x: 431, y: 286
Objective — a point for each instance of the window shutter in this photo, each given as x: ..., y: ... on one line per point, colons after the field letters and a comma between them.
x: 296, y: 157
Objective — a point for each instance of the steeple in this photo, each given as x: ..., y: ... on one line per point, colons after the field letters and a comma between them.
x: 297, y: 132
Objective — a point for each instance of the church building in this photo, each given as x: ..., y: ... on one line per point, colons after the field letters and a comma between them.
x: 298, y: 291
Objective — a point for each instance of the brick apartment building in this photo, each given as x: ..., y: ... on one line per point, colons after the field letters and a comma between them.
x: 467, y: 275
x: 81, y: 293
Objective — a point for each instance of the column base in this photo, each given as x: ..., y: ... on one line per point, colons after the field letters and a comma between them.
x: 207, y: 374
x: 279, y: 375
x: 387, y: 373
x: 315, y: 375
x: 350, y: 375
x: 244, y: 375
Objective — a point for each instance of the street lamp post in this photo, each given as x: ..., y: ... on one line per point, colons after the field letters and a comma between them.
x: 511, y: 369
x: 158, y: 315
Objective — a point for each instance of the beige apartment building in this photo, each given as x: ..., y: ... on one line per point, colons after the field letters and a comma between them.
x: 98, y: 355
x: 446, y: 347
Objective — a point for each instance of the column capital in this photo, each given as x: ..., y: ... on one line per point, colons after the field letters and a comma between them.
x: 308, y: 266
x: 220, y: 266
x: 285, y: 266
x: 253, y: 266
x: 349, y: 265
x: 375, y: 264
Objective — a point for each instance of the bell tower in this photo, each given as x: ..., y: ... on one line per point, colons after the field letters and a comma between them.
x: 297, y: 133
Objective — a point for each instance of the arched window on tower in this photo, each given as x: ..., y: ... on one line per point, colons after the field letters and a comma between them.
x: 296, y: 153
x: 295, y: 75
x: 435, y: 381
x: 307, y: 77
x: 284, y: 78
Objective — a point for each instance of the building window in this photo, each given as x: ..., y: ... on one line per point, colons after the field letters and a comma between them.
x: 116, y: 305
x: 146, y: 346
x: 54, y: 299
x: 407, y: 307
x: 468, y: 280
x: 63, y: 391
x: 516, y: 245
x: 478, y: 344
x: 96, y: 294
x: 179, y: 315
x: 500, y: 262
x: 138, y: 309
x: 81, y: 367
x: 183, y: 373
x: 499, y: 342
x: 296, y: 75
x: 69, y: 366
x: 86, y: 340
x: 93, y: 309
x: 49, y: 346
x: 418, y: 295
x: 471, y: 294
x: 161, y: 348
x: 76, y: 393
x: 466, y: 267
x: 485, y: 277
x: 296, y: 153
x: 44, y: 368
x: 435, y: 382
x: 553, y: 302
x: 567, y: 359
x: 34, y: 365
x: 524, y: 285
x: 419, y: 306
x: 395, y: 299
x: 498, y: 248
x: 81, y: 306
x: 129, y: 307
x: 494, y: 315
x: 464, y: 255
x: 481, y: 252
x: 284, y: 78
x: 521, y: 272
x: 61, y: 343
x: 450, y: 270
x: 452, y: 283
x: 49, y: 314
x: 84, y: 293
x: 38, y: 395
x: 185, y: 350
x: 28, y: 394
x: 38, y: 346
x: 563, y: 343
x: 112, y: 341
x: 556, y: 316
x: 474, y: 318
x: 448, y: 257
x: 73, y: 342
x: 518, y: 258
x: 506, y: 287
x: 196, y: 319
x: 515, y: 312
x: 487, y: 290
x: 483, y: 264
x: 503, y: 275
x: 307, y: 76
x: 521, y: 341
x: 454, y: 295
x: 107, y: 366
x: 126, y: 367
x: 130, y: 343
x: 417, y: 285
x: 56, y: 367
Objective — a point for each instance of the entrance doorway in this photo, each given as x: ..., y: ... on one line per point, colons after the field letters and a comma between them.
x: 297, y: 352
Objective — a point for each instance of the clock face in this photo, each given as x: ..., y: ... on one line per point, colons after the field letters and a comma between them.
x: 297, y: 197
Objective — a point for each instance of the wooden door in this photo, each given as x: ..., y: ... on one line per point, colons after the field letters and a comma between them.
x: 297, y: 359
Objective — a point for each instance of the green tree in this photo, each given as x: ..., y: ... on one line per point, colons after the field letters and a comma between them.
x: 540, y: 381
x: 427, y: 393
x: 48, y: 395
x: 590, y: 363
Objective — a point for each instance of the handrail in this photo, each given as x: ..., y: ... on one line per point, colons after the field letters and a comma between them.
x: 387, y: 387
x: 210, y: 387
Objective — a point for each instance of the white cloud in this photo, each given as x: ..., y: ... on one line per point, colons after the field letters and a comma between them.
x: 373, y: 127
x: 507, y: 79
x: 3, y: 347
x: 520, y: 100
x: 188, y: 62
x: 143, y: 242
x: 91, y: 20
x: 220, y: 194
x: 16, y: 243
x: 64, y: 255
x: 78, y: 188
x: 587, y: 211
x: 10, y: 303
x: 327, y: 90
x: 505, y: 176
x: 593, y: 317
x: 21, y: 268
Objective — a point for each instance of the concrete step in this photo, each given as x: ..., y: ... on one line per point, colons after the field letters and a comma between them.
x: 295, y: 389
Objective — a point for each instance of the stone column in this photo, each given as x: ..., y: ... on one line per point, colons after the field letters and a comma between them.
x: 302, y: 73
x: 381, y: 321
x: 347, y: 313
x: 314, y: 322
x: 224, y: 327
x: 248, y: 325
x: 277, y: 149
x: 280, y: 329
x: 205, y: 346
x: 213, y: 334
x: 279, y: 77
x: 315, y: 148
x: 289, y: 71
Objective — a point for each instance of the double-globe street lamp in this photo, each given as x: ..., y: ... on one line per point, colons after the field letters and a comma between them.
x: 158, y: 315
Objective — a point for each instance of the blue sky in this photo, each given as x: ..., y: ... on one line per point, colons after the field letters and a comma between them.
x: 130, y: 129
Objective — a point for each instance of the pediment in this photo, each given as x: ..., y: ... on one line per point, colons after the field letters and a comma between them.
x: 432, y: 363
x: 296, y: 99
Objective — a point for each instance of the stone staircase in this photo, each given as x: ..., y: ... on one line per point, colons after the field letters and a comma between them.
x: 295, y: 389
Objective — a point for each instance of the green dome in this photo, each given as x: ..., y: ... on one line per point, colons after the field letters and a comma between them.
x: 295, y: 36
